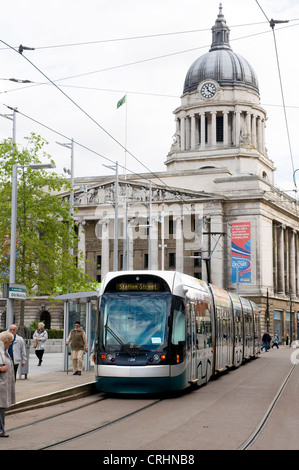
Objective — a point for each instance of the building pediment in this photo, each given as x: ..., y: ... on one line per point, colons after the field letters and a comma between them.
x: 94, y: 194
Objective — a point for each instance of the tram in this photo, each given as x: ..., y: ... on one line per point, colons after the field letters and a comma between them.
x: 161, y: 331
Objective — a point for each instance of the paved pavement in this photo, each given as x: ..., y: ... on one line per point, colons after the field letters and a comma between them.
x: 49, y: 377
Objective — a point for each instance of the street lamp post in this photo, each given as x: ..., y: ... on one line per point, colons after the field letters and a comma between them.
x: 13, y: 232
x: 70, y: 145
x: 115, y: 245
x: 12, y: 117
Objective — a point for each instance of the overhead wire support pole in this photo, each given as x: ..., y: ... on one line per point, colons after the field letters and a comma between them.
x: 71, y: 147
x: 208, y: 258
x: 115, y: 246
x: 272, y: 24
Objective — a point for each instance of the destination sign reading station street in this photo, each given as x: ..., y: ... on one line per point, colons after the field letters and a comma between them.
x: 138, y: 286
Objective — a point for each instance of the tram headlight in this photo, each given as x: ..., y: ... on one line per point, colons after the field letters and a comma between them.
x: 156, y: 357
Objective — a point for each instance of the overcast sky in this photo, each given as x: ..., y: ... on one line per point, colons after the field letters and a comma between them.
x: 99, y: 50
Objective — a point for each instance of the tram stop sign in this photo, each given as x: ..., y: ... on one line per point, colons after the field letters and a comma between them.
x: 17, y: 291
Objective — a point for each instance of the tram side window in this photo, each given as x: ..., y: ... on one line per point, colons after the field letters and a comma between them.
x: 178, y: 325
x: 204, y: 327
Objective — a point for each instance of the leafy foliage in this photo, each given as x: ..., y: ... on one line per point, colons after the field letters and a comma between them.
x: 45, y: 229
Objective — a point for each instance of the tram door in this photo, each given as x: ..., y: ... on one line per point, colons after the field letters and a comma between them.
x: 193, y: 349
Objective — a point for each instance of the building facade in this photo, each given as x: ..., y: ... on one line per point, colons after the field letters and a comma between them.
x: 214, y: 212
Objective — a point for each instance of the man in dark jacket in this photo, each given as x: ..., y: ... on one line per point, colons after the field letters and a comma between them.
x: 266, y: 341
x: 78, y: 340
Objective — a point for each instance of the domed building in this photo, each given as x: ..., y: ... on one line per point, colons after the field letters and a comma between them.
x: 220, y: 122
x: 214, y: 213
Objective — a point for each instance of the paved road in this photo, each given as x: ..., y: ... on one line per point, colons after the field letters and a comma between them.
x: 220, y: 416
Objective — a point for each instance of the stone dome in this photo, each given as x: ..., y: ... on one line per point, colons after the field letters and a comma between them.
x: 221, y: 63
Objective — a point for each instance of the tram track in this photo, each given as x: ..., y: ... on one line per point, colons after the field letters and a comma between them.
x: 52, y: 416
x: 248, y: 443
x: 35, y: 421
x: 98, y: 428
x: 210, y: 417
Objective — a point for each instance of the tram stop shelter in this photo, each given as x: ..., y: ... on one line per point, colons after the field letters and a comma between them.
x: 82, y: 307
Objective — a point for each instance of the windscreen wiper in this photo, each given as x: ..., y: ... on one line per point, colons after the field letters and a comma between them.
x: 126, y: 348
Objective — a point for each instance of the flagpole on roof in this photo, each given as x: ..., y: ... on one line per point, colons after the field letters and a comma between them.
x: 124, y: 100
x: 125, y: 169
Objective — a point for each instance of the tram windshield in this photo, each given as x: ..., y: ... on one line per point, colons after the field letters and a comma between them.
x: 134, y: 321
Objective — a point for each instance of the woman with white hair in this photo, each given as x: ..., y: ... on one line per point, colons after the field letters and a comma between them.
x: 7, y: 379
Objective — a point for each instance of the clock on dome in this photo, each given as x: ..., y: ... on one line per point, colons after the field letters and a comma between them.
x: 208, y: 90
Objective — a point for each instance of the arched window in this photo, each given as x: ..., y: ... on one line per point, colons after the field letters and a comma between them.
x: 45, y: 317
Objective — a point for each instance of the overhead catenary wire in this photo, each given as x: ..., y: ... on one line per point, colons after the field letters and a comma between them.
x: 130, y: 38
x: 93, y: 120
x: 83, y: 111
x: 272, y: 24
x: 115, y: 39
x: 147, y: 59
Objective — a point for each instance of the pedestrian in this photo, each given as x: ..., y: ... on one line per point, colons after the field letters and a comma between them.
x: 7, y: 381
x: 40, y: 337
x: 286, y: 337
x: 78, y: 340
x: 266, y: 341
x: 275, y: 340
x: 17, y: 349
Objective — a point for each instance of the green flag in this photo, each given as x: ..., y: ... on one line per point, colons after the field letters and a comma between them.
x: 121, y: 102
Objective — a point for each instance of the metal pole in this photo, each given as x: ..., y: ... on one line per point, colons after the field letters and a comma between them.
x: 65, y: 336
x: 14, y: 129
x: 88, y: 334
x: 13, y: 239
x: 71, y: 172
x: 291, y: 319
x: 125, y: 231
x: 150, y: 228
x: 72, y: 176
x: 13, y: 230
x: 115, y: 253
x: 162, y: 237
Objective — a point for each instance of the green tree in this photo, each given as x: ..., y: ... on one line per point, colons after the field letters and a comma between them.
x: 45, y: 230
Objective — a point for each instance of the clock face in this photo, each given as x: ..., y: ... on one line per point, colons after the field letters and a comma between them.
x: 208, y: 90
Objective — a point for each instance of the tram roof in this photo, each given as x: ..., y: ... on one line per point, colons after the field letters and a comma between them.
x: 176, y: 280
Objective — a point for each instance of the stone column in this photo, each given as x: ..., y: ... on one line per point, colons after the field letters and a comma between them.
x: 263, y: 136
x: 81, y: 245
x: 188, y: 133
x: 237, y: 128
x: 213, y: 136
x: 179, y: 238
x: 259, y: 134
x: 155, y: 244
x: 292, y: 267
x: 183, y: 132
x: 193, y: 133
x: 280, y: 259
x: 225, y: 128
x: 202, y: 130
x: 253, y: 131
x: 248, y: 125
x: 274, y: 236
